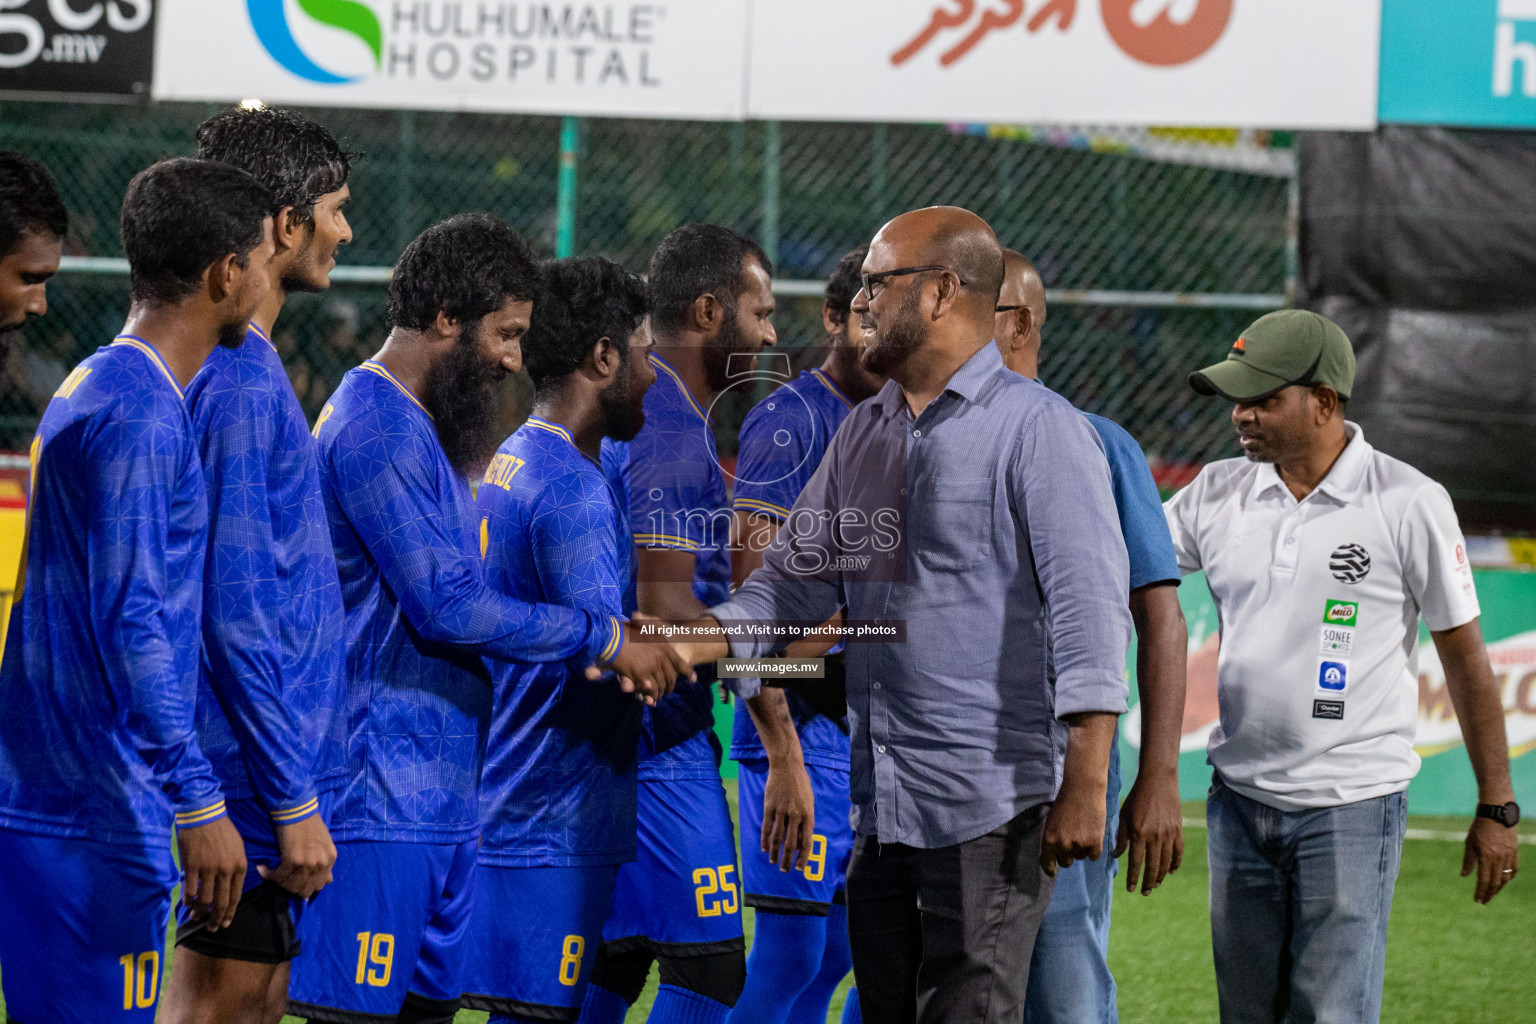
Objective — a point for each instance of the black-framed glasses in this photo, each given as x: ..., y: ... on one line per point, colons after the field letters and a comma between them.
x: 1008, y: 309
x: 872, y: 282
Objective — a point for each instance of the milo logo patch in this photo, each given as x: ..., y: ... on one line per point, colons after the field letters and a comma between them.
x: 1341, y: 613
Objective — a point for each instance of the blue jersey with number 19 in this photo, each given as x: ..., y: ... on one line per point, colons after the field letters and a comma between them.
x: 559, y: 783
x: 100, y: 674
x: 419, y: 617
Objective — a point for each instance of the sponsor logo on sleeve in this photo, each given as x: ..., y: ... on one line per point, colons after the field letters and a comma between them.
x: 1333, y: 676
x: 1330, y: 709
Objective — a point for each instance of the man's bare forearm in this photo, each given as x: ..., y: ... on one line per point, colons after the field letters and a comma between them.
x: 1479, y: 708
x: 1162, y: 647
x: 776, y: 727
x: 1086, y: 766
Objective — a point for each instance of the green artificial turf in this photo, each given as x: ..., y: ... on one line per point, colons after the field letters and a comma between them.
x: 1449, y: 961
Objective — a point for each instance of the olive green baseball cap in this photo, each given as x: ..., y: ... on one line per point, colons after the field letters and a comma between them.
x: 1292, y: 346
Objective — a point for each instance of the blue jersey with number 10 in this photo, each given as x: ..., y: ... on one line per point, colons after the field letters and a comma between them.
x: 559, y: 783
x: 100, y: 674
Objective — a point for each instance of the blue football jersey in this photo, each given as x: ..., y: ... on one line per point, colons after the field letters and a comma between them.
x: 782, y: 441
x: 270, y: 690
x: 99, y: 680
x: 678, y: 499
x: 419, y: 617
x: 558, y: 788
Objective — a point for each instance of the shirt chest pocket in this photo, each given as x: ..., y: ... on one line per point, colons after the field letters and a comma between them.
x: 952, y: 524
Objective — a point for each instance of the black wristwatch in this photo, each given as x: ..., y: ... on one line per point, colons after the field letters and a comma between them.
x: 1507, y: 815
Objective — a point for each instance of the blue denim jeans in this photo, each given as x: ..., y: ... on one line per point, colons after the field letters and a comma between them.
x: 1299, y: 907
x: 1069, y: 979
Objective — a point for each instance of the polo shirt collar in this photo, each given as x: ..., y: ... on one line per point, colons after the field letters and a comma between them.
x: 965, y: 383
x: 1347, y: 476
x: 1344, y: 480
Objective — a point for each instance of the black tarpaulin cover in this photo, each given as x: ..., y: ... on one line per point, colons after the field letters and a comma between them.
x: 1421, y: 244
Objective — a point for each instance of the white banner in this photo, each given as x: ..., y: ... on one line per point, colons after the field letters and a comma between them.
x: 1254, y: 63
x: 671, y: 58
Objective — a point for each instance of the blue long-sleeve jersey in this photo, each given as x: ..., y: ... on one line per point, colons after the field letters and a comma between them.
x: 782, y: 441
x: 270, y: 689
x: 558, y: 788
x: 419, y: 617
x: 100, y: 673
x: 677, y: 499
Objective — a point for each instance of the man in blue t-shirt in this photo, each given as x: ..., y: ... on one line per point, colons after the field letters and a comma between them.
x: 99, y: 757
x: 680, y: 902
x: 795, y: 855
x: 270, y: 686
x: 396, y: 442
x: 1069, y: 979
x: 557, y: 796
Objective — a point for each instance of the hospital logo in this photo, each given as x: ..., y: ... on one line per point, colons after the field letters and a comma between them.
x: 269, y: 18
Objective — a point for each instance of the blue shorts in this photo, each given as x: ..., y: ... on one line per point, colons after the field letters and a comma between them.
x: 811, y: 889
x: 681, y: 896
x: 82, y: 928
x: 394, y: 921
x: 532, y: 933
x: 265, y: 929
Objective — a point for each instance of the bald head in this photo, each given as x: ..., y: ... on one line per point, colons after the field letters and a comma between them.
x: 1020, y: 314
x: 944, y: 236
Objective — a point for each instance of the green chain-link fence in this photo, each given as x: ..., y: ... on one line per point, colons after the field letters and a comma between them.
x: 1104, y: 212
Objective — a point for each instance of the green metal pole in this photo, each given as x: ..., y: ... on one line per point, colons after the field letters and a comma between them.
x: 565, y: 205
x: 771, y: 190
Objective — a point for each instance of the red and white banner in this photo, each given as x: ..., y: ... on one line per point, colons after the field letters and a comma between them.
x: 1257, y: 63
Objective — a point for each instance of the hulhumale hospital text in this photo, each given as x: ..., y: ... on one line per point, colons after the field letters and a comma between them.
x: 479, y: 41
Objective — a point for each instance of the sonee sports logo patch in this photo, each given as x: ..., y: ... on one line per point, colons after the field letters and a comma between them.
x: 1350, y: 563
x: 1331, y: 709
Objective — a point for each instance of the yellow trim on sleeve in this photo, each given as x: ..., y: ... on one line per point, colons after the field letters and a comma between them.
x: 201, y: 817
x: 302, y: 811
x: 663, y: 540
x: 615, y: 643
x: 768, y: 507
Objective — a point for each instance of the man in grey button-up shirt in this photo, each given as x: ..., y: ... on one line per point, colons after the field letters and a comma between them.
x: 981, y: 743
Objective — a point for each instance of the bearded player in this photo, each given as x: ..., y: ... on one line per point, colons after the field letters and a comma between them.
x: 397, y: 441
x: 557, y: 796
x: 679, y: 903
x: 787, y: 749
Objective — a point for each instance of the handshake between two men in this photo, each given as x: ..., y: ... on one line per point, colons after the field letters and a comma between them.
x: 656, y: 655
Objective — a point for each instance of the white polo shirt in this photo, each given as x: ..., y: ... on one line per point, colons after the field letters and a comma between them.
x: 1319, y: 604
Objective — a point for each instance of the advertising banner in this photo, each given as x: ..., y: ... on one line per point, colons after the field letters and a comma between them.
x: 681, y: 58
x: 70, y: 48
x: 1445, y: 784
x: 1459, y: 62
x: 1298, y: 64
